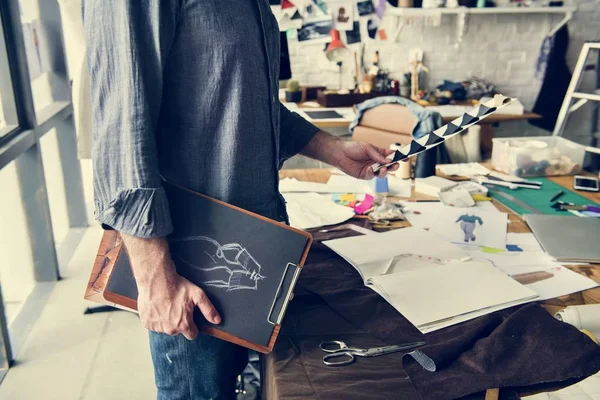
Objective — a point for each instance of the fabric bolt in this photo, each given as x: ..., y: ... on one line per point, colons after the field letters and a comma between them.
x: 187, y: 91
x: 520, y: 347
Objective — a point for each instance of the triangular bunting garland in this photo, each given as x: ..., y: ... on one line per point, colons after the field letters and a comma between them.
x: 285, y: 4
x: 468, y: 119
x: 415, y: 148
x: 296, y: 16
x: 483, y: 110
x: 434, y: 139
x: 451, y: 128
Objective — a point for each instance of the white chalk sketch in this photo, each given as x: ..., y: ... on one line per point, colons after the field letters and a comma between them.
x: 228, y: 266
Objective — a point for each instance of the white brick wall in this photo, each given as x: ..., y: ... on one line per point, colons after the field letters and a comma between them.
x: 501, y: 48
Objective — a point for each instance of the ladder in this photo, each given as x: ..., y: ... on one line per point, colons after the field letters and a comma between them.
x: 581, y: 98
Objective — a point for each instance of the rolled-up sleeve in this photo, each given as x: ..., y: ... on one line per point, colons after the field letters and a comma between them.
x: 295, y: 133
x: 126, y: 45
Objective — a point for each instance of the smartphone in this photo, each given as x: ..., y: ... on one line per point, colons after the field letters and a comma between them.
x: 586, y: 183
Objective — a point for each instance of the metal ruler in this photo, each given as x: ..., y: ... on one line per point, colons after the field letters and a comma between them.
x: 518, y: 202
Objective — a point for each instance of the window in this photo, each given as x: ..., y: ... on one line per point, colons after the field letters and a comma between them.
x: 44, y: 50
x: 8, y: 112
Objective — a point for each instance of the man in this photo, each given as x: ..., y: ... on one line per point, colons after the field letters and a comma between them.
x: 188, y: 90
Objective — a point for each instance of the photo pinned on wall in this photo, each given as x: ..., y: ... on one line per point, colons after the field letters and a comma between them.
x: 471, y: 226
x: 372, y: 27
x: 322, y: 6
x: 291, y: 34
x: 288, y: 22
x: 353, y: 36
x: 316, y: 31
x: 309, y: 9
x: 365, y: 7
x: 343, y: 14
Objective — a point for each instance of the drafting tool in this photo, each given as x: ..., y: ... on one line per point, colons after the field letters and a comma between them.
x: 340, y: 354
x: 579, y: 208
x: 516, y: 201
x: 557, y: 195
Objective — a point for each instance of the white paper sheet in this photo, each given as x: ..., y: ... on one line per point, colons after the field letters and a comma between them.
x: 471, y: 225
x: 428, y: 210
x: 444, y: 291
x: 356, y: 185
x: 553, y: 282
x: 431, y: 295
x: 548, y: 278
x: 289, y: 185
x: 311, y: 210
x: 399, y: 187
x: 464, y: 169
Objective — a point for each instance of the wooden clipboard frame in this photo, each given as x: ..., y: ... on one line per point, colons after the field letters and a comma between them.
x: 111, y: 246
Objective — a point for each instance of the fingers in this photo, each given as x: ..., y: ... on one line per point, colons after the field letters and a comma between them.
x: 206, y: 307
x: 376, y: 154
x: 382, y: 172
x: 190, y: 330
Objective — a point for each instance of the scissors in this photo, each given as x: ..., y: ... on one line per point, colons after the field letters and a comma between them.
x: 340, y: 354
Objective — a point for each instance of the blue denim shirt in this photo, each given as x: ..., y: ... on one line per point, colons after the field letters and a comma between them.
x: 427, y: 121
x: 186, y: 90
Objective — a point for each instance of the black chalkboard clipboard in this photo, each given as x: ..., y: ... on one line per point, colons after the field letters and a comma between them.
x: 247, y: 264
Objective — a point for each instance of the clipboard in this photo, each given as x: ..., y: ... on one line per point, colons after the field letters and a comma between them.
x: 249, y: 274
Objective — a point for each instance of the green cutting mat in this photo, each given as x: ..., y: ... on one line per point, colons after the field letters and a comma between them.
x: 538, y: 199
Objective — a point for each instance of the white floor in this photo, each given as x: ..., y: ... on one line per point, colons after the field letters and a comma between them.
x: 72, y: 356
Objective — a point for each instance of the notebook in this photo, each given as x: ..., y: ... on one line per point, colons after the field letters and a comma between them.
x: 567, y: 238
x: 247, y: 265
x: 430, y: 281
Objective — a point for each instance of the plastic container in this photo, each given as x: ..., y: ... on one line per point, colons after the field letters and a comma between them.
x: 537, y: 156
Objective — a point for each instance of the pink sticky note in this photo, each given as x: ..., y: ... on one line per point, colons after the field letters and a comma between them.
x: 365, y: 205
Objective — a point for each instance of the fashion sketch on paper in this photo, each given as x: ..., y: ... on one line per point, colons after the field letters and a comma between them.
x: 468, y: 223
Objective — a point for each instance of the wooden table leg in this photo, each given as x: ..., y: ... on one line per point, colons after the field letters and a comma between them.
x: 492, y: 394
x: 486, y: 135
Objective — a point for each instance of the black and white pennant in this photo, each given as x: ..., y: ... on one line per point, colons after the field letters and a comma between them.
x: 442, y: 134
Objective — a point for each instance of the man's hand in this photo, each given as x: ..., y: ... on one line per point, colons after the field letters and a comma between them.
x: 357, y: 158
x: 353, y: 158
x: 166, y: 300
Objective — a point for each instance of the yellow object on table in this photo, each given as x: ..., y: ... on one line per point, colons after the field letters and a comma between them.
x: 480, y: 197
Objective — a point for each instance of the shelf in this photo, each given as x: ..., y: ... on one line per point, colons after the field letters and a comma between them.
x: 461, y: 13
x: 489, y: 10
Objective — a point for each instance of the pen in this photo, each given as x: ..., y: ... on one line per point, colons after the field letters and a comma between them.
x: 557, y: 195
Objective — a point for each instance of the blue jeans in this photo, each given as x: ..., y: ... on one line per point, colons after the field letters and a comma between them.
x: 202, y: 369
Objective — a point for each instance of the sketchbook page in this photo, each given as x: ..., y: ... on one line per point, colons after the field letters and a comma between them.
x: 375, y: 252
x: 471, y: 226
x: 550, y: 282
x: 475, y: 314
x: 311, y: 210
x: 511, y: 259
x: 421, y: 213
x: 447, y: 291
x: 523, y: 241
